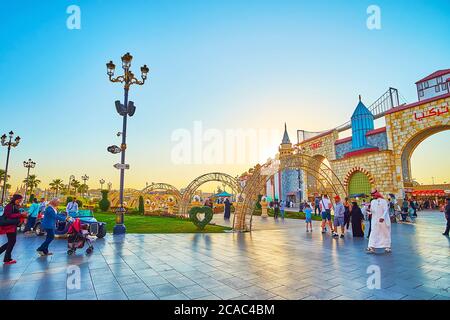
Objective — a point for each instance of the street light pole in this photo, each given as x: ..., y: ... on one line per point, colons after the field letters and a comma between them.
x: 102, y: 181
x: 71, y: 178
x: 29, y: 165
x: 9, y: 144
x: 125, y: 110
x: 85, y: 178
x: 109, y: 186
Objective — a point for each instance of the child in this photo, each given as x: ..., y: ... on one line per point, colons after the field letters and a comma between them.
x: 308, y: 215
x: 411, y: 212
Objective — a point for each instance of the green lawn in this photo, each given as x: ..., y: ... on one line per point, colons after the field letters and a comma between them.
x: 152, y: 224
x: 290, y: 214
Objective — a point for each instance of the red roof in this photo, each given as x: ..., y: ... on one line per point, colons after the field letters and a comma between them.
x: 360, y: 152
x: 434, y: 75
x: 418, y: 103
x: 343, y: 140
x: 375, y: 131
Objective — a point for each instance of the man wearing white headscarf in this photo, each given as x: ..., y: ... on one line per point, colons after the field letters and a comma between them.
x: 380, y: 237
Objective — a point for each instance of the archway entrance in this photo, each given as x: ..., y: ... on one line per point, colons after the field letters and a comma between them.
x: 246, y: 201
x: 411, y: 146
x: 189, y: 192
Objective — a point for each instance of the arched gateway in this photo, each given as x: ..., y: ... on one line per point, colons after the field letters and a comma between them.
x: 189, y: 192
x: 255, y: 184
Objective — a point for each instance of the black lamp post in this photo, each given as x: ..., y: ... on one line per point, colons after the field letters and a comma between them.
x: 126, y: 109
x: 102, y: 181
x: 29, y: 165
x: 8, y: 144
x: 85, y: 178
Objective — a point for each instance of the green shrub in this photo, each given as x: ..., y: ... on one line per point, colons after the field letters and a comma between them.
x: 141, y: 208
x: 104, y: 203
x: 201, y: 224
x: 31, y: 198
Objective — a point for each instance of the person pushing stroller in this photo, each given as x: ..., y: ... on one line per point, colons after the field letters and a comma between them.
x: 78, y: 236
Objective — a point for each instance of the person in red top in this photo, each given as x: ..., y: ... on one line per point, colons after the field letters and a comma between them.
x: 11, y: 211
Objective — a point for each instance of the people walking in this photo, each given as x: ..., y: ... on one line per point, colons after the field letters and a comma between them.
x: 282, y: 207
x: 308, y: 217
x: 49, y: 225
x: 33, y: 212
x: 347, y: 212
x: 11, y: 216
x: 357, y: 218
x: 405, y: 207
x: 227, y: 209
x: 380, y: 236
x: 325, y: 210
x: 317, y: 206
x: 339, y: 217
x: 447, y: 216
x: 276, y: 209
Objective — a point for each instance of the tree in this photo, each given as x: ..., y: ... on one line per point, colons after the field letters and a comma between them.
x: 75, y: 184
x: 104, y: 203
x: 141, y: 208
x: 56, y: 184
x: 83, y: 188
x: 32, y: 182
x: 2, y: 176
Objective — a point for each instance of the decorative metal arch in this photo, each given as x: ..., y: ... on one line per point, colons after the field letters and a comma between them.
x: 163, y: 187
x: 189, y: 192
x: 242, y: 220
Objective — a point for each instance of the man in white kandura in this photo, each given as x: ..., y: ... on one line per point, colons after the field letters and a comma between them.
x: 380, y: 237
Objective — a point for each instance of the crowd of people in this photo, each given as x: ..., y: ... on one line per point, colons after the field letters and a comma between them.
x: 12, y: 214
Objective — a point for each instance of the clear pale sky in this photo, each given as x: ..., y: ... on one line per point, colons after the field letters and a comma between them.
x: 230, y: 64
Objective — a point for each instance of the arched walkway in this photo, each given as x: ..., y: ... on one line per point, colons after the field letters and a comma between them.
x: 189, y: 192
x: 411, y: 145
x: 255, y: 185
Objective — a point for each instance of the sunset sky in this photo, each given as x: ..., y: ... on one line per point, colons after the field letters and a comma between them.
x: 226, y: 65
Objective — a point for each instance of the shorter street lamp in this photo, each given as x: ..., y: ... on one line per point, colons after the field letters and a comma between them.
x: 85, y: 178
x: 71, y: 178
x: 109, y: 186
x: 102, y: 181
x: 30, y: 164
x: 8, y: 144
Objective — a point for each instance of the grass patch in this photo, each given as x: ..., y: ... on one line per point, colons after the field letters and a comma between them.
x: 154, y: 224
x: 291, y: 215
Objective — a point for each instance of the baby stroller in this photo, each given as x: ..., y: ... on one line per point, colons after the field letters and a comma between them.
x: 78, y: 236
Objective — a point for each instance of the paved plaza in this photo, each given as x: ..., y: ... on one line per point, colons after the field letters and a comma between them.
x: 279, y: 260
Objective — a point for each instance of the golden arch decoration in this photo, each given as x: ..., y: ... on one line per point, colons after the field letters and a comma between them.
x: 163, y: 187
x: 242, y: 220
x: 189, y: 192
x: 358, y: 169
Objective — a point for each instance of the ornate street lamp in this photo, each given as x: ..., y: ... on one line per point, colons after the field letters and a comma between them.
x: 10, y: 143
x: 102, y: 181
x: 109, y: 186
x: 30, y: 164
x: 126, y: 109
x: 71, y: 178
x: 85, y: 178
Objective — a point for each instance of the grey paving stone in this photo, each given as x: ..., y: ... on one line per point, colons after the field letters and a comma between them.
x: 163, y: 290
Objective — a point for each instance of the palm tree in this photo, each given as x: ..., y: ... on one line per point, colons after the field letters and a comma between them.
x: 56, y: 185
x: 76, y: 185
x: 2, y: 175
x: 32, y: 182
